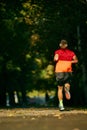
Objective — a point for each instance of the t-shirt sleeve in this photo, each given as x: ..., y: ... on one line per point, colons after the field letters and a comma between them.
x: 56, y: 52
x: 73, y: 54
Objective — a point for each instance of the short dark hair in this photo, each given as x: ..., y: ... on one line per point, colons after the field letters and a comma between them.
x: 64, y: 41
x: 63, y: 44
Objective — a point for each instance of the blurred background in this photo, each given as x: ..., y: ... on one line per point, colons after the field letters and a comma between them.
x: 30, y: 31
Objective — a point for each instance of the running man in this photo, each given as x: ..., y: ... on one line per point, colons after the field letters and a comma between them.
x: 64, y: 59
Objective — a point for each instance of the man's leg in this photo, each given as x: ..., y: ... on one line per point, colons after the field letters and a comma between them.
x: 60, y: 97
x: 67, y: 93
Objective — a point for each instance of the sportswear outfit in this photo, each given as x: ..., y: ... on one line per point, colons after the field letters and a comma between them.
x: 63, y: 68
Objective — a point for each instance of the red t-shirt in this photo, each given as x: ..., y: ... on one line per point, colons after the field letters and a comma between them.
x: 64, y: 61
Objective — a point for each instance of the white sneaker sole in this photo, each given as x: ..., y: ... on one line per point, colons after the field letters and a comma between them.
x: 62, y: 109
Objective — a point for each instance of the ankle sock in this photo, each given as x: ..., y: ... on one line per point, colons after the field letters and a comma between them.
x: 61, y: 102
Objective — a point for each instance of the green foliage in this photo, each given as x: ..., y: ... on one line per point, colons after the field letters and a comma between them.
x: 30, y: 32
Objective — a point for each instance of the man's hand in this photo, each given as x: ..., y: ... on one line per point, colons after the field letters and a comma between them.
x: 56, y: 57
x: 75, y: 60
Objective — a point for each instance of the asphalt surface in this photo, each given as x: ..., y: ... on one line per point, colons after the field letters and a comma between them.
x: 42, y: 119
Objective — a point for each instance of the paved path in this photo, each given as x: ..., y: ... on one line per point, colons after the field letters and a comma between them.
x: 42, y: 119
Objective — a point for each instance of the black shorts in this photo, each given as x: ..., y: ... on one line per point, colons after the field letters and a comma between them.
x: 63, y: 77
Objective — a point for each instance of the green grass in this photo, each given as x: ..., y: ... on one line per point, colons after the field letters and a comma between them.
x: 36, y: 93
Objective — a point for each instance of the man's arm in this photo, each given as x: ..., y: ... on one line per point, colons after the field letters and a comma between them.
x: 56, y: 57
x: 75, y: 59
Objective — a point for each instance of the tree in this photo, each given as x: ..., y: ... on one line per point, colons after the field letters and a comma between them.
x: 30, y: 32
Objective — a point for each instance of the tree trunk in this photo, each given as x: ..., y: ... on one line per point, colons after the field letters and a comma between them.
x: 83, y: 67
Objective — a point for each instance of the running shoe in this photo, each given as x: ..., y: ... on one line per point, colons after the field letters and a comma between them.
x: 67, y: 93
x: 61, y: 108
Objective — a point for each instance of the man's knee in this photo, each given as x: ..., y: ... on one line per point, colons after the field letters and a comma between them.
x: 67, y: 85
